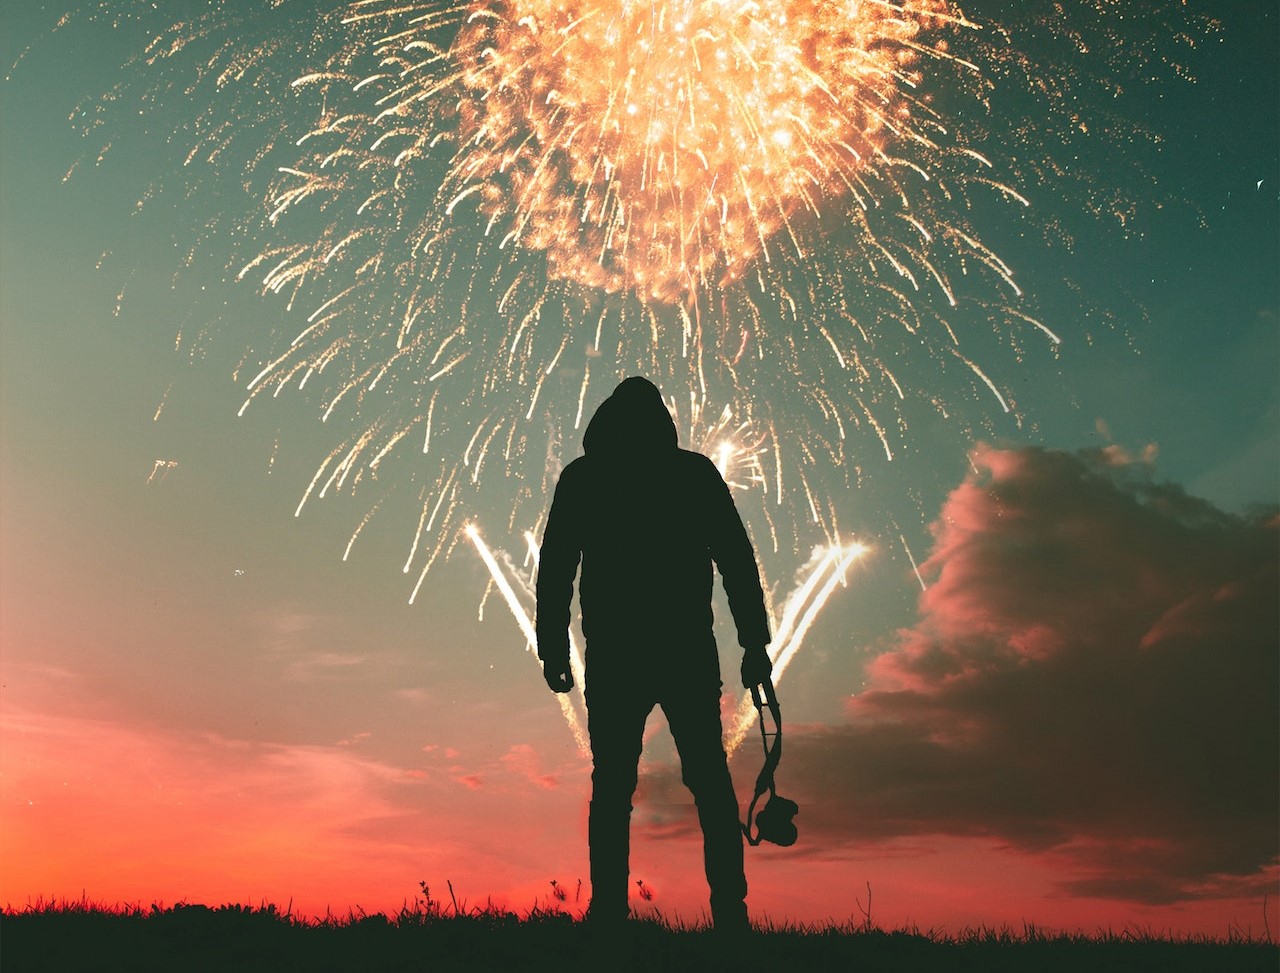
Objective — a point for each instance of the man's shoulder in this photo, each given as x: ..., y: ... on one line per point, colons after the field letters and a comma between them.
x: 573, y: 473
x: 697, y: 466
x: 694, y: 460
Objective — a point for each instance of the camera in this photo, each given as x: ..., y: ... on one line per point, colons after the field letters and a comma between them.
x: 774, y: 823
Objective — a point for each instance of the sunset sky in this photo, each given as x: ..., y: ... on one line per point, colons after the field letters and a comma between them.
x: 1066, y: 716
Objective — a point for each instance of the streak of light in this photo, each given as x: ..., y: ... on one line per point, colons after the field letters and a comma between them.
x: 914, y: 567
x: 801, y: 609
x: 525, y: 625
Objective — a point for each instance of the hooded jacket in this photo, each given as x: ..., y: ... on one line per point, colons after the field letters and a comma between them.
x: 646, y: 520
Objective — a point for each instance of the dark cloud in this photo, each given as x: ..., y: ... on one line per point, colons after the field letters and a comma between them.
x: 1094, y: 677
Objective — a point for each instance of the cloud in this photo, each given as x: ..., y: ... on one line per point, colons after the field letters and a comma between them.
x: 1093, y: 677
x: 523, y: 761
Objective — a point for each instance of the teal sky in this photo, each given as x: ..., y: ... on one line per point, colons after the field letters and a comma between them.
x: 156, y: 586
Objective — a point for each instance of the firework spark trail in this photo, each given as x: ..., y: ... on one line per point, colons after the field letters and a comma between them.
x: 805, y: 604
x: 652, y: 150
x: 576, y: 660
x: 161, y: 469
x: 475, y: 217
x: 531, y: 639
x: 827, y: 570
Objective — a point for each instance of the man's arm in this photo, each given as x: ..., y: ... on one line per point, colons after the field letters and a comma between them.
x: 732, y: 551
x: 557, y: 564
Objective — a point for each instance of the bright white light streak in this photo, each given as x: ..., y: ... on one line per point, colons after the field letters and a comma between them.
x: 367, y: 517
x: 983, y: 375
x: 531, y: 639
x: 842, y: 560
x: 914, y: 567
x: 796, y: 601
x: 804, y: 605
x: 723, y: 457
x: 829, y: 569
x: 576, y: 657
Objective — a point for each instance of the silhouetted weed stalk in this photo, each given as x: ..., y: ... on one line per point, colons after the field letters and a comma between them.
x: 426, y: 908
x: 433, y: 932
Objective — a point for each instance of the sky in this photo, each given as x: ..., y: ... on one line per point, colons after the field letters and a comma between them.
x: 1047, y: 692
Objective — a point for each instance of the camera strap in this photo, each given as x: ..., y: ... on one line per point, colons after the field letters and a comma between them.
x: 772, y: 742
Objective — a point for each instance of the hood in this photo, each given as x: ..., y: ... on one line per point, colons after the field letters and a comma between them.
x: 633, y: 420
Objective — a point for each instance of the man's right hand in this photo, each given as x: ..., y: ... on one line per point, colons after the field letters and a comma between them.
x: 756, y: 666
x: 558, y: 676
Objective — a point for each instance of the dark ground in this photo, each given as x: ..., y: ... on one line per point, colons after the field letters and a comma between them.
x: 66, y: 939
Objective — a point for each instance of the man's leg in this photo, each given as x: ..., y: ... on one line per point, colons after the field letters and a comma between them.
x: 694, y: 717
x: 615, y: 723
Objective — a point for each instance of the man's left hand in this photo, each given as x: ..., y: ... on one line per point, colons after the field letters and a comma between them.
x: 756, y: 666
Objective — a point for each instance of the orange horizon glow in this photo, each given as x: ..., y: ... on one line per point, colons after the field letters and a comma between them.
x: 119, y: 816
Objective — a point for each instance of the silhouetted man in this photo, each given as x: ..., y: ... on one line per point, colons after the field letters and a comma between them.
x: 647, y: 519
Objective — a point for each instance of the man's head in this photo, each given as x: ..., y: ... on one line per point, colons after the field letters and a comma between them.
x: 632, y: 421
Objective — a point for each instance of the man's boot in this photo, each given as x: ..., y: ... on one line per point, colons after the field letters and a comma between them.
x: 722, y: 856
x: 609, y: 841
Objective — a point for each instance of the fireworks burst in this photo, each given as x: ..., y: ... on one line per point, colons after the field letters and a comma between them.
x: 517, y: 199
x: 660, y: 147
x: 478, y: 216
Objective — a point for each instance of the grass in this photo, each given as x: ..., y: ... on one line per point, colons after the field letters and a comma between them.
x: 428, y: 935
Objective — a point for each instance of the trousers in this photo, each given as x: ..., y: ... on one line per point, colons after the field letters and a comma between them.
x: 616, y: 713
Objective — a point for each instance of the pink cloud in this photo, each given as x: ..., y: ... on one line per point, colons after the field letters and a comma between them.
x: 1093, y: 677
x: 523, y: 761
